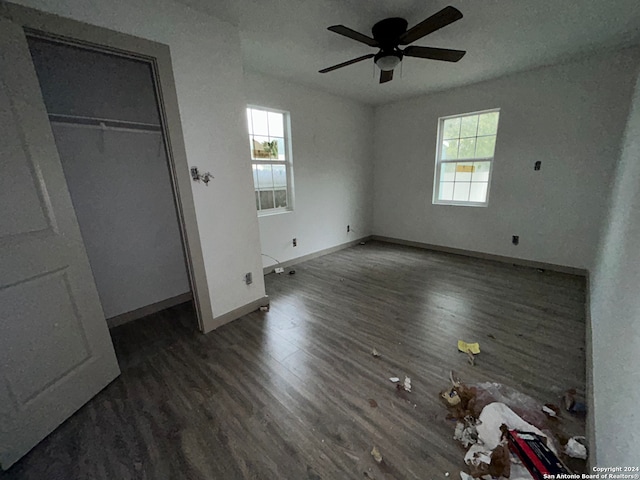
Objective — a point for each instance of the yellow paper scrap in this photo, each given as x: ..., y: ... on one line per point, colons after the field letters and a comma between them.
x: 466, y: 347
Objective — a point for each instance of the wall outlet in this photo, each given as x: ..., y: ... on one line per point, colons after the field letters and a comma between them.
x: 295, y: 242
x: 515, y: 239
x: 248, y: 278
x: 348, y: 228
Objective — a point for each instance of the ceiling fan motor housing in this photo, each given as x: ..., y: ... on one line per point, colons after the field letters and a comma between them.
x: 387, y: 33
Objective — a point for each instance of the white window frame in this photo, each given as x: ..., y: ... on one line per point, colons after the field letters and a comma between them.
x: 288, y: 162
x: 439, y: 162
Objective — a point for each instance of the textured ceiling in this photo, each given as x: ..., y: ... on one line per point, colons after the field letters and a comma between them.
x: 288, y: 39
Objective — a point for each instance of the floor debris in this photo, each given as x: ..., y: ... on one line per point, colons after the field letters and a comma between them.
x: 466, y: 431
x: 394, y: 379
x: 465, y: 347
x: 373, y: 403
x: 549, y: 411
x: 407, y: 384
x: 490, y: 335
x: 375, y: 352
x: 264, y: 308
x: 575, y: 448
x: 571, y: 404
x: 375, y: 453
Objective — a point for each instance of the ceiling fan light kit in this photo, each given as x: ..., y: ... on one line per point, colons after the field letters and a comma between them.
x: 390, y: 33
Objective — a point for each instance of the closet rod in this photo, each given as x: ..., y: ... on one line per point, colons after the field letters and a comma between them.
x: 104, y: 122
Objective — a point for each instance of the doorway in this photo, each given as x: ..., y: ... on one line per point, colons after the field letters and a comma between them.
x: 107, y: 126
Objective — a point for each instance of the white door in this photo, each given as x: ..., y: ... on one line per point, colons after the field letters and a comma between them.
x: 55, y: 349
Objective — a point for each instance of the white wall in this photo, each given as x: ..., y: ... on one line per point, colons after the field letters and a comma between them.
x: 570, y: 117
x: 615, y: 312
x: 207, y: 66
x: 332, y: 165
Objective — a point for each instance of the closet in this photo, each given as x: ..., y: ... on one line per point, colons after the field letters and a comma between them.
x: 105, y: 120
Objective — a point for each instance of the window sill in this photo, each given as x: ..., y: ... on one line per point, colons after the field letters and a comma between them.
x: 272, y: 212
x: 460, y: 204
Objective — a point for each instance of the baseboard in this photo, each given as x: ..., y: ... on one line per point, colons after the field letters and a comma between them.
x: 311, y: 256
x: 486, y: 256
x: 234, y: 314
x: 148, y: 310
x: 591, y: 424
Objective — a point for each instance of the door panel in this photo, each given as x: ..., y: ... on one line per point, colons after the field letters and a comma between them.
x: 55, y: 349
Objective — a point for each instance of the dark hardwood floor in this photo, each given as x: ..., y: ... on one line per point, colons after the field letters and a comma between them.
x: 288, y: 394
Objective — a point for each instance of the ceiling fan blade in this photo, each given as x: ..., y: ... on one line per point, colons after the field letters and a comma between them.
x: 386, y: 76
x: 444, y: 54
x: 347, y: 63
x: 352, y: 34
x: 435, y: 22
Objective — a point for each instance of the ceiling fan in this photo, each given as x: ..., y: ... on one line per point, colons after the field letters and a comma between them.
x: 390, y: 33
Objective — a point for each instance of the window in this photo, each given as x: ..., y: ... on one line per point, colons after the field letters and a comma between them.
x: 270, y: 159
x: 464, y: 158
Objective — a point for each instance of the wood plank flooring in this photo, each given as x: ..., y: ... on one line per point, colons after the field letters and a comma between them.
x: 288, y: 394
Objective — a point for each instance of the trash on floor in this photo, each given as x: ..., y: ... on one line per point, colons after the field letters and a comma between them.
x: 407, y: 384
x: 292, y: 272
x: 451, y: 397
x: 466, y: 431
x: 500, y: 464
x: 373, y: 403
x: 279, y: 270
x: 575, y: 448
x: 571, y: 404
x: 535, y: 453
x: 471, y: 358
x: 394, y: 379
x: 375, y: 352
x: 466, y: 347
x: 375, y: 453
x: 490, y: 335
x: 264, y: 308
x: 550, y: 411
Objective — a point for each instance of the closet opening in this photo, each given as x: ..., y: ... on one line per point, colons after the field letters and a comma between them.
x: 106, y: 117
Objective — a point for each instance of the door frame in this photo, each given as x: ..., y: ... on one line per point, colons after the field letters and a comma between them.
x: 48, y: 26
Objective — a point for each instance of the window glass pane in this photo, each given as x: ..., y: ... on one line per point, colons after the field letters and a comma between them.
x: 279, y: 176
x: 257, y: 200
x: 276, y: 124
x: 461, y: 191
x: 488, y: 124
x: 266, y: 199
x: 481, y: 171
x: 256, y: 185
x: 469, y: 126
x: 467, y: 148
x: 478, y: 192
x: 451, y: 128
x: 446, y: 191
x: 281, y: 198
x: 249, y: 121
x: 259, y: 120
x: 485, y: 146
x: 265, y: 177
x: 278, y: 151
x: 447, y: 172
x: 449, y: 149
x: 259, y: 148
x: 464, y: 172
